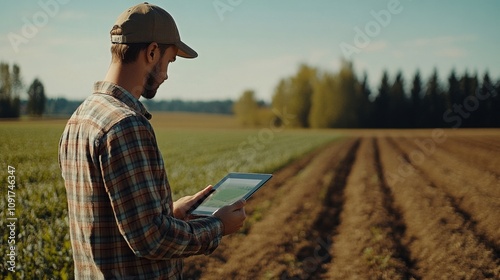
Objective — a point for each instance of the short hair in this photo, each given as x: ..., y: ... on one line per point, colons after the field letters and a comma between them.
x: 128, y: 53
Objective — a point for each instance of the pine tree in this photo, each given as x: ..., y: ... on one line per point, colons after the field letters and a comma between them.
x: 474, y: 104
x: 365, y: 108
x: 468, y: 87
x: 495, y: 105
x: 487, y: 96
x: 454, y: 94
x: 398, y: 104
x: 416, y: 102
x: 434, y: 103
x: 381, y: 104
x: 480, y: 114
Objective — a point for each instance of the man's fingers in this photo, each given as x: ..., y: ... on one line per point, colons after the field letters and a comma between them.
x: 203, y: 193
x: 206, y: 190
x: 239, y: 205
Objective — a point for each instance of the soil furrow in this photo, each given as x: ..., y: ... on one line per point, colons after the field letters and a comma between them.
x: 489, y: 141
x: 440, y: 242
x: 485, y: 145
x: 278, y: 229
x: 366, y: 242
x: 470, y: 221
x: 397, y: 220
x: 384, y: 204
x: 492, y: 140
x: 471, y: 224
x: 464, y: 177
x: 477, y: 190
x: 475, y: 157
x: 311, y: 256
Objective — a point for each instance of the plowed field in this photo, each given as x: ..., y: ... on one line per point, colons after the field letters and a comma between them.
x: 414, y: 205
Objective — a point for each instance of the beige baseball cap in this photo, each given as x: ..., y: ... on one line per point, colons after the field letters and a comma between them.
x: 146, y: 23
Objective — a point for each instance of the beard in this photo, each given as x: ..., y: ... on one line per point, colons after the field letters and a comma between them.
x: 152, y: 85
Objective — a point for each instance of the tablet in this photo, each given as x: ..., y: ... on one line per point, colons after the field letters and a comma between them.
x: 233, y: 187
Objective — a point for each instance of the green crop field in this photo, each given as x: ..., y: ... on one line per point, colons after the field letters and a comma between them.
x: 198, y: 150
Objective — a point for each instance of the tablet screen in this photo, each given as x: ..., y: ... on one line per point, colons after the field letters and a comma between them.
x: 232, y: 188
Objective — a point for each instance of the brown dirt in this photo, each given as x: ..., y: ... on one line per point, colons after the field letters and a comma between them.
x: 399, y: 205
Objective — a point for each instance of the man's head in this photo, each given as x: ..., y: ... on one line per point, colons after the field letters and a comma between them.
x: 148, y: 30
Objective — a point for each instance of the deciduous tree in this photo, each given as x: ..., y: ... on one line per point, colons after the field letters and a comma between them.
x: 36, y: 98
x: 10, y: 88
x: 246, y: 109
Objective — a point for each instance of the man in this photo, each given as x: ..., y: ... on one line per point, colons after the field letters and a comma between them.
x: 123, y: 222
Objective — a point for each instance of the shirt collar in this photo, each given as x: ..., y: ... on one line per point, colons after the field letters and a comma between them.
x: 123, y: 95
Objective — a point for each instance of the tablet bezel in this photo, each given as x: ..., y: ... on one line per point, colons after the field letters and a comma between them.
x: 233, y: 175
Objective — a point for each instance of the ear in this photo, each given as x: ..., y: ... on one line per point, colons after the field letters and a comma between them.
x: 152, y: 52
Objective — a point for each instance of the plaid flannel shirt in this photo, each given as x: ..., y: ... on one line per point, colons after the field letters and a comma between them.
x: 119, y: 199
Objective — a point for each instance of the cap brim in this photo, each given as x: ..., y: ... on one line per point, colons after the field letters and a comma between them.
x: 185, y: 51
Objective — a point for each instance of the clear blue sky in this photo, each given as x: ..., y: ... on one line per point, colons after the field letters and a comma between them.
x: 251, y: 44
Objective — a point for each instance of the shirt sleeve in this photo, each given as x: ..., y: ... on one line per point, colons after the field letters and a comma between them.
x: 135, y: 180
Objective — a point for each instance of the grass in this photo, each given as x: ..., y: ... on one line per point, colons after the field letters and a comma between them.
x: 198, y: 150
x: 42, y: 241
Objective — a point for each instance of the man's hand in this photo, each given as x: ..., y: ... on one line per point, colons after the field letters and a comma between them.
x: 232, y: 216
x: 183, y: 204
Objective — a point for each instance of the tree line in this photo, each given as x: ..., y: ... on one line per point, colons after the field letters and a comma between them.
x: 11, y: 87
x: 13, y: 104
x: 64, y: 107
x: 320, y: 99
x: 177, y: 105
x: 313, y: 98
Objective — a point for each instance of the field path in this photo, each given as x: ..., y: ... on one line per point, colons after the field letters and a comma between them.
x: 372, y: 207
